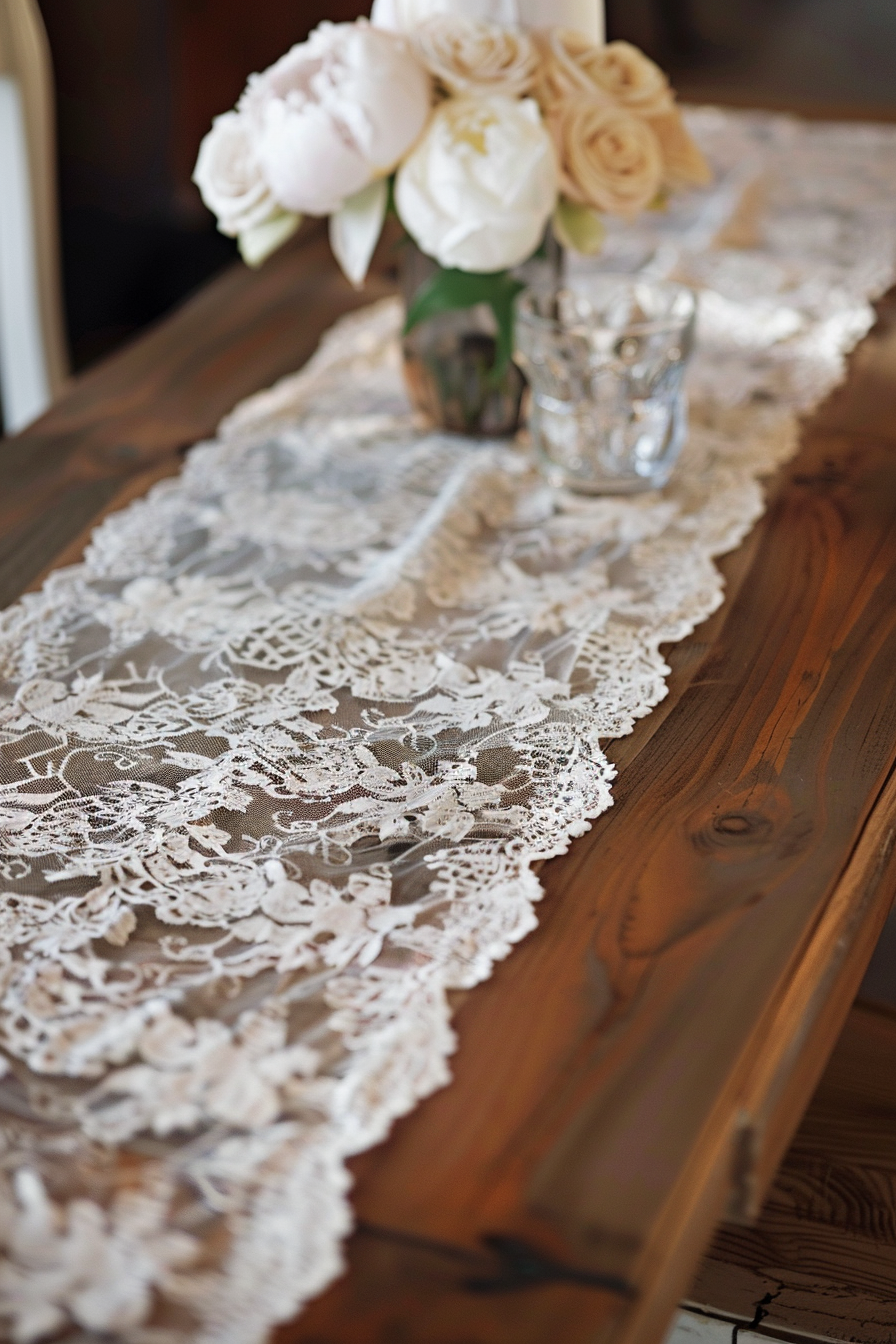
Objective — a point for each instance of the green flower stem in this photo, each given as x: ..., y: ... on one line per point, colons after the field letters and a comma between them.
x: 450, y: 290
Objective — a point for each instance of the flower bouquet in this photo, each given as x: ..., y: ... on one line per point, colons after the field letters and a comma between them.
x: 489, y: 141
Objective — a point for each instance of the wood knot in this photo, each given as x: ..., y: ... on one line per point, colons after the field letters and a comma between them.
x: 744, y: 826
x: 122, y: 452
x: 735, y: 829
x: 828, y: 477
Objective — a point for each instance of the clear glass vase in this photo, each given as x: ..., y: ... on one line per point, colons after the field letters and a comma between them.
x: 449, y: 363
x: 606, y: 365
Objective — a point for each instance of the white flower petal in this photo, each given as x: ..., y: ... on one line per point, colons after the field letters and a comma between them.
x: 257, y: 244
x: 356, y: 228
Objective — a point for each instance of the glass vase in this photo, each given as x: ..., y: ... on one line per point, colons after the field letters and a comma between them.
x: 449, y: 364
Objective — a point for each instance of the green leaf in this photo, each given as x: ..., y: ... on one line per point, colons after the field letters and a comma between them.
x: 450, y: 290
x: 578, y: 227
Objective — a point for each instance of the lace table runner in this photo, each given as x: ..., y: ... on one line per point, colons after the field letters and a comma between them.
x: 276, y: 761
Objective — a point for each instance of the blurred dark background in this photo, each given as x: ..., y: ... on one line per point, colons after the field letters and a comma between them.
x: 138, y: 82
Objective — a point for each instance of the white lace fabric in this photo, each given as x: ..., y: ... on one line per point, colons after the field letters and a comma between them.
x: 277, y: 758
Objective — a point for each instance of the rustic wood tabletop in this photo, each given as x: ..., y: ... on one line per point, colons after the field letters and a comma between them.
x: 637, y: 1068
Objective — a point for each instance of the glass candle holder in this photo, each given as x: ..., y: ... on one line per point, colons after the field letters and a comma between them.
x: 606, y: 366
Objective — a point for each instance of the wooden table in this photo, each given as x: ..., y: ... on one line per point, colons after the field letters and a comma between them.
x: 637, y: 1068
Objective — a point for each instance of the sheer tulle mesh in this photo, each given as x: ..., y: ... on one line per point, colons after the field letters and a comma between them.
x: 276, y: 761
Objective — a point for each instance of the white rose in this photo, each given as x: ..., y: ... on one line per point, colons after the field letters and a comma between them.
x: 335, y: 113
x: 470, y: 56
x: 479, y: 188
x: 230, y: 179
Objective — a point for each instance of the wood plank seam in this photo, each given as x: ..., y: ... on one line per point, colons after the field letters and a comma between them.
x: 838, y: 949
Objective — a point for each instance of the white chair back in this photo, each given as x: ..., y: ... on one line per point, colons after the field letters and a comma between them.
x: 33, y: 359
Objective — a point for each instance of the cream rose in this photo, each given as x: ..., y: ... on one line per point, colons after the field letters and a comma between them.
x: 470, y: 56
x: 335, y: 113
x: 477, y: 191
x: 617, y: 75
x: 230, y: 179
x: 610, y: 159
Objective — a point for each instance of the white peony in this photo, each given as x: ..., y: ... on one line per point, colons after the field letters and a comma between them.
x: 479, y: 188
x: 335, y: 113
x: 230, y: 179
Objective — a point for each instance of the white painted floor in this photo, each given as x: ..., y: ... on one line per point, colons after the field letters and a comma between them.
x: 691, y: 1328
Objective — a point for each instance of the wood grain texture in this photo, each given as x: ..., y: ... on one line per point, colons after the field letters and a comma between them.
x: 822, y: 1258
x: 819, y: 996
x: 610, y: 1086
x: 652, y: 1046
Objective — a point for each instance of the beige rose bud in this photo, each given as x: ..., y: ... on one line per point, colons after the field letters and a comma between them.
x: 610, y: 159
x: 683, y: 162
x: 470, y: 56
x: 617, y: 74
x: 560, y: 77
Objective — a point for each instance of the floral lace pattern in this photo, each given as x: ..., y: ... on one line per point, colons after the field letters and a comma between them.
x: 276, y: 761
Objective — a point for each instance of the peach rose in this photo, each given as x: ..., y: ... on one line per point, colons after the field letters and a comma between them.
x: 630, y: 78
x: 617, y: 74
x: 683, y: 161
x: 609, y: 159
